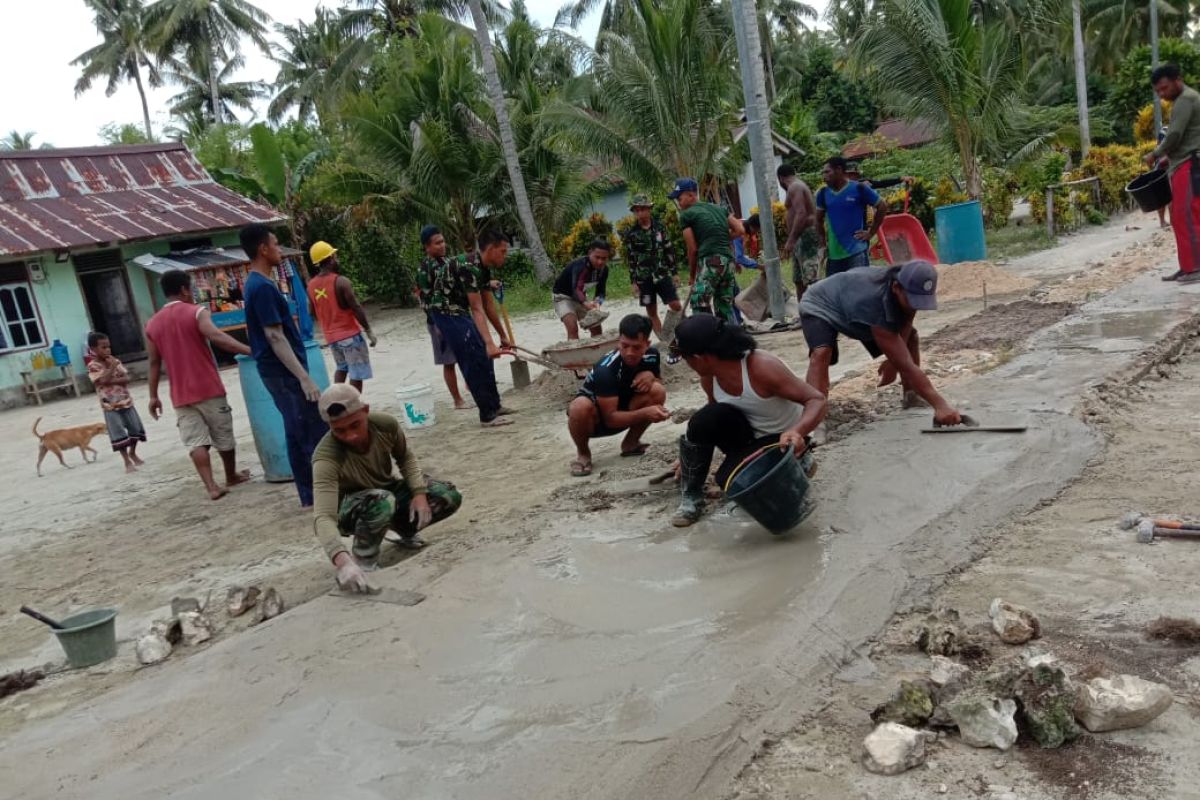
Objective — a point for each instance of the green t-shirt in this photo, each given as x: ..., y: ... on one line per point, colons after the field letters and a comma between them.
x: 710, y: 226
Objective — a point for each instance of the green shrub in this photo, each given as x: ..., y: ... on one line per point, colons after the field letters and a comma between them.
x: 1115, y: 165
x: 999, y: 193
x: 581, y: 234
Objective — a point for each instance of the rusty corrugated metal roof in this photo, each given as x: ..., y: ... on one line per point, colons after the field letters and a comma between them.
x: 59, y: 199
x: 895, y: 133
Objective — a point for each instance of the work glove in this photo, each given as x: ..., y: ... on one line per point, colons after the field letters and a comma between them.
x: 350, y: 577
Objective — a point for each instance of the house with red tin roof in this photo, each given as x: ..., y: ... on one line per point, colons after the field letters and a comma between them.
x: 84, y: 236
x: 895, y: 133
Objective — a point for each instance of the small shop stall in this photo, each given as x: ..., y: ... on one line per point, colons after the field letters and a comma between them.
x: 218, y: 275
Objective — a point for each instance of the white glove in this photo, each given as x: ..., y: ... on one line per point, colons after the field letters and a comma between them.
x: 350, y: 577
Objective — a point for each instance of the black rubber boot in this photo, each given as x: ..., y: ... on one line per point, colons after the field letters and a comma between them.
x: 694, y: 461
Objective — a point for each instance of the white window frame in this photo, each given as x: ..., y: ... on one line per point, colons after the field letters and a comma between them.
x: 13, y: 286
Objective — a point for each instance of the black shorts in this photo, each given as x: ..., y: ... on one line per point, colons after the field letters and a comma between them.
x: 819, y: 333
x: 601, y: 430
x: 648, y: 291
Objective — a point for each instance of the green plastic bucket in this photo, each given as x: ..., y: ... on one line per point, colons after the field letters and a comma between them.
x: 89, y: 637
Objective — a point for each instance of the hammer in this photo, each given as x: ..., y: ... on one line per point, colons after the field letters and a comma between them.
x: 1147, y: 529
x: 1133, y: 518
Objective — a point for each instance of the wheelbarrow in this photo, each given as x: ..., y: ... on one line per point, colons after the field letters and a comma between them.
x: 902, y: 238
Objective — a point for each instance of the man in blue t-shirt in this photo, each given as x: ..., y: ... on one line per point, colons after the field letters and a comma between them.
x: 841, y: 209
x: 279, y: 354
x: 623, y: 391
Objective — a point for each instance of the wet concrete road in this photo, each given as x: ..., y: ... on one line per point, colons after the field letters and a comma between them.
x: 607, y: 656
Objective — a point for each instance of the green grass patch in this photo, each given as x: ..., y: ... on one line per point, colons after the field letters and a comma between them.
x: 1017, y: 240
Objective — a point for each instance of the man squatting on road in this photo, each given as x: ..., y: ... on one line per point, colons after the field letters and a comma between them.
x: 753, y: 400
x: 357, y: 491
x: 877, y: 307
x: 343, y: 319
x: 622, y: 392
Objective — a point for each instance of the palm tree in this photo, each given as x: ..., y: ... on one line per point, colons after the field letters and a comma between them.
x: 206, y: 32
x: 664, y: 98
x: 1114, y: 27
x: 15, y: 140
x: 541, y: 262
x: 943, y: 64
x: 786, y: 16
x: 398, y: 18
x: 196, y: 94
x: 123, y: 53
x: 318, y: 61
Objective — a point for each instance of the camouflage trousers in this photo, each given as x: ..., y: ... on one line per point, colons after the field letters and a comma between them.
x: 369, y: 514
x: 715, y: 289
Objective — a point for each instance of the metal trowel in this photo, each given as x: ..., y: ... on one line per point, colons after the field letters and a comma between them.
x: 971, y: 425
x: 397, y: 597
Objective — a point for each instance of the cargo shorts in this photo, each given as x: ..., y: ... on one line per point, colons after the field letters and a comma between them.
x: 208, y: 423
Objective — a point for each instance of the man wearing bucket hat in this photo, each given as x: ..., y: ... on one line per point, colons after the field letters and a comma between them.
x: 342, y: 318
x: 876, y: 307
x: 1181, y: 148
x: 651, y: 256
x: 356, y: 489
x: 708, y: 230
x: 754, y: 401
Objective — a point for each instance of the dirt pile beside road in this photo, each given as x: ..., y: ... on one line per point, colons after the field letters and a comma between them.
x: 968, y: 280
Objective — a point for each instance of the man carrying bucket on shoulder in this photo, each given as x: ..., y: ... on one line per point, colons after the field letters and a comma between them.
x: 1181, y: 147
x: 754, y: 401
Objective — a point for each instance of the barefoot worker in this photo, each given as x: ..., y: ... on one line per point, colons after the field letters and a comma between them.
x: 876, y: 307
x: 1181, y: 148
x: 570, y: 288
x: 343, y: 320
x: 708, y: 230
x: 452, y: 291
x: 179, y: 335
x: 753, y: 400
x: 622, y: 392
x: 111, y: 380
x: 358, y: 492
x: 651, y: 258
x: 801, y: 243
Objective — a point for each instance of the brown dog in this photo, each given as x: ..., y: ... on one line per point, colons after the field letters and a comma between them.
x: 65, y: 438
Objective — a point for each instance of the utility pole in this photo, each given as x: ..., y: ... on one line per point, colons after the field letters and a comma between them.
x: 1154, y: 62
x: 1081, y: 98
x: 762, y: 147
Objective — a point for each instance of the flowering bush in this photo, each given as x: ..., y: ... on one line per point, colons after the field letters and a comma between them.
x: 581, y: 234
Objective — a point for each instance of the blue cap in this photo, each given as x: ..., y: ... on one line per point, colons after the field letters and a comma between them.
x: 683, y: 185
x: 919, y: 280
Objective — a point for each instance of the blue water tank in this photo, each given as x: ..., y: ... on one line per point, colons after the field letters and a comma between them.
x: 60, y: 354
x: 960, y: 232
x: 266, y: 423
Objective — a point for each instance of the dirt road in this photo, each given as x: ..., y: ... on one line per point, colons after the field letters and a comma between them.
x: 572, y: 645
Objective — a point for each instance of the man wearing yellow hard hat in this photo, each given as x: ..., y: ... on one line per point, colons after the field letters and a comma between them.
x: 341, y: 317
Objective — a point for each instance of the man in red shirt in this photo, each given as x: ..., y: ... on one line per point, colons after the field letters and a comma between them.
x: 179, y: 334
x: 342, y: 318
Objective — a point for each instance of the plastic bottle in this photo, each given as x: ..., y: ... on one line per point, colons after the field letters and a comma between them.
x: 60, y: 354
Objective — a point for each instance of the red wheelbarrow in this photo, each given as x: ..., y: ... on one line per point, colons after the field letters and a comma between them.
x: 902, y: 238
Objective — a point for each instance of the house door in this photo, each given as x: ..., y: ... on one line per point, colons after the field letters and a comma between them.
x: 109, y: 302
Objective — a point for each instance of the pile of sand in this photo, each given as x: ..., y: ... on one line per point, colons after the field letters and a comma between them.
x: 966, y: 280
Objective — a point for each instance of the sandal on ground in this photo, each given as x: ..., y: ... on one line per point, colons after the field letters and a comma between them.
x: 640, y: 450
x: 502, y: 411
x: 581, y: 468
x: 497, y: 422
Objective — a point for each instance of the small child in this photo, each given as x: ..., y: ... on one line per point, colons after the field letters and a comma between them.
x: 111, y: 379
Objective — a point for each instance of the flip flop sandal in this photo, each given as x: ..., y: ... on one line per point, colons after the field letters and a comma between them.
x: 496, y: 423
x: 640, y: 450
x: 579, y: 469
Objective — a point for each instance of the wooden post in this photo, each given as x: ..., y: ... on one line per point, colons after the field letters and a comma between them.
x: 1050, y: 212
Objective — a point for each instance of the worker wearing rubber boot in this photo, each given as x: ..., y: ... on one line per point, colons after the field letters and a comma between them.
x: 754, y: 400
x: 708, y: 231
x: 357, y: 491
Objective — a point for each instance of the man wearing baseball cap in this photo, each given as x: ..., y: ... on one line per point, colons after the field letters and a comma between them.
x: 366, y: 480
x: 877, y: 307
x: 342, y: 318
x: 708, y: 230
x: 651, y: 256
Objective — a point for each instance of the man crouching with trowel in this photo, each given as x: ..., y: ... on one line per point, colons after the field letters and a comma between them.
x: 357, y: 491
x: 877, y: 307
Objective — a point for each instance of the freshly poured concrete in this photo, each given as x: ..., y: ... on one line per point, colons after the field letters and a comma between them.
x: 606, y: 655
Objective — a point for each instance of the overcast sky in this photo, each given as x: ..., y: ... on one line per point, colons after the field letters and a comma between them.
x: 42, y: 37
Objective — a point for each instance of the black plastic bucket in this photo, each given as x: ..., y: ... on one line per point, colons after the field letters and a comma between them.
x: 1151, y: 190
x: 772, y: 488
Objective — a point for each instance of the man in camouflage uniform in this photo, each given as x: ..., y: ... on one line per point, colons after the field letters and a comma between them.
x: 651, y: 257
x: 357, y: 491
x: 451, y: 292
x: 708, y: 231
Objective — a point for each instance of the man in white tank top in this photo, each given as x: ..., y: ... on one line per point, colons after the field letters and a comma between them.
x: 753, y: 400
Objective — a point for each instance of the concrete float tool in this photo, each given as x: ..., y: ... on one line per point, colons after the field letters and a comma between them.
x: 971, y: 425
x: 396, y: 597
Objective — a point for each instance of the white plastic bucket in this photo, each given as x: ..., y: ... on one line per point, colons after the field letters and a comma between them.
x: 416, y: 406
